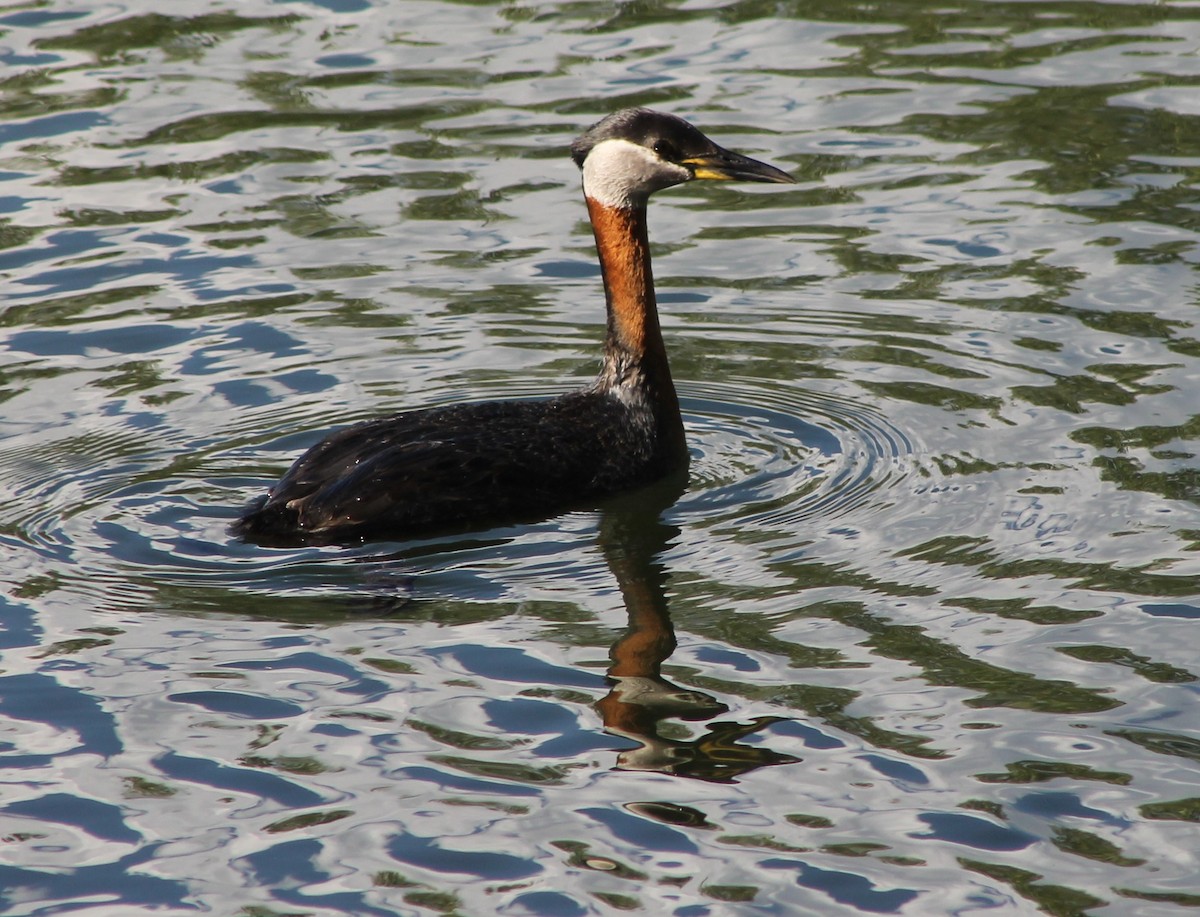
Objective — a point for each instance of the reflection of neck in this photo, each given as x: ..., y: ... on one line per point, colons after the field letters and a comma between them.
x: 631, y: 537
x: 650, y: 638
x: 639, y: 653
x: 635, y: 358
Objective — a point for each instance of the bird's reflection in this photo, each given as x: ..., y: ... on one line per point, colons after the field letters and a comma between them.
x: 642, y: 702
x: 641, y: 705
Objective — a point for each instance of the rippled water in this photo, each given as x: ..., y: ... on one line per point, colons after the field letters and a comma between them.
x: 918, y: 635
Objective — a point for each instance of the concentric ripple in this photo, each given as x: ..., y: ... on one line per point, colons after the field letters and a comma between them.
x: 774, y: 456
x: 764, y: 457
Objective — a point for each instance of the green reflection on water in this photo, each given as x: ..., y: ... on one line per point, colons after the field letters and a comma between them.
x: 1043, y: 771
x: 549, y: 775
x: 973, y: 551
x: 459, y: 739
x: 1090, y: 846
x: 1158, y: 672
x: 1163, y: 743
x: 1173, y: 810
x: 1058, y: 900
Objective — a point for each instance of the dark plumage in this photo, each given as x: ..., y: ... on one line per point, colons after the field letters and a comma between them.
x: 447, y: 468
x: 482, y: 463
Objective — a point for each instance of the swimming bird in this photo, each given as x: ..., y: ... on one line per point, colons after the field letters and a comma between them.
x: 475, y: 464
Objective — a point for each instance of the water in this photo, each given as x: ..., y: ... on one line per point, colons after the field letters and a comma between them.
x: 918, y: 634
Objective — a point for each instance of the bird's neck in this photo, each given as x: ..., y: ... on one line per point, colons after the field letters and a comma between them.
x: 635, y: 358
x: 624, y: 248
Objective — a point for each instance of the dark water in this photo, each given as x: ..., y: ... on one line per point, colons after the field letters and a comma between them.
x: 919, y: 634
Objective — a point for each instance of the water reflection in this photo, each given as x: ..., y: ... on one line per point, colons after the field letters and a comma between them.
x: 642, y: 702
x: 641, y: 706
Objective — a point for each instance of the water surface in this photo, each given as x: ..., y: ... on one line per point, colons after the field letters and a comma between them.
x: 916, y: 636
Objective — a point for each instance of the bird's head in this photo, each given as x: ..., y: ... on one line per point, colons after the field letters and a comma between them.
x: 635, y: 152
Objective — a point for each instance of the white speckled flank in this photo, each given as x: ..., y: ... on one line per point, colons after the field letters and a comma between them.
x: 619, y: 173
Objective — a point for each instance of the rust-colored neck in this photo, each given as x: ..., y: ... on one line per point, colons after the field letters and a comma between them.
x: 624, y: 248
x: 634, y: 354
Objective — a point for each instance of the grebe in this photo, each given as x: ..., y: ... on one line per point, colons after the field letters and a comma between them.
x: 470, y: 465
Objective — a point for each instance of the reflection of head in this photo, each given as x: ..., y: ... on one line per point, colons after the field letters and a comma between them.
x: 716, y: 756
x: 654, y: 754
x: 635, y: 709
x: 666, y: 699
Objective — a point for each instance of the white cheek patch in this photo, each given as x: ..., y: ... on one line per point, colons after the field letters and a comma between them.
x: 618, y: 173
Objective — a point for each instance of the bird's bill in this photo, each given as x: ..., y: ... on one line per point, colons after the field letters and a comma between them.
x: 726, y: 165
